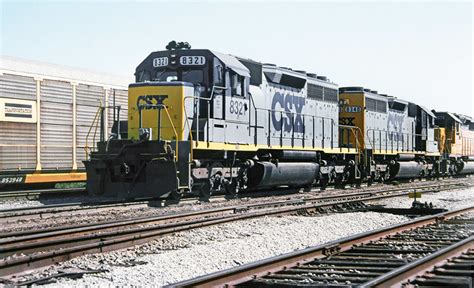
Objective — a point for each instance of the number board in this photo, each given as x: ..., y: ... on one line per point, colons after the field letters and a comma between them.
x: 160, y: 62
x: 237, y: 109
x: 353, y: 109
x: 192, y: 60
x: 12, y: 180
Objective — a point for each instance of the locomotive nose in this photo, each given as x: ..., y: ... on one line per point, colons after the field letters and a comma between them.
x: 159, y: 107
x: 145, y: 165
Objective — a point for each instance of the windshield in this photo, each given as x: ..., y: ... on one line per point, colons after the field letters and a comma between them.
x: 166, y: 76
x: 192, y: 76
x: 143, y: 76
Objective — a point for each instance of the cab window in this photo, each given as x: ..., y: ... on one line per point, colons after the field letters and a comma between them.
x: 218, y: 73
x: 193, y: 76
x: 164, y: 75
x: 143, y: 76
x: 236, y: 84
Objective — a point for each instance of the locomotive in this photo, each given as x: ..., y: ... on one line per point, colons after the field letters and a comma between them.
x: 204, y: 122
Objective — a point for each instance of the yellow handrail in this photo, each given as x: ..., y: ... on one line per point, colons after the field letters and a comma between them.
x: 357, y: 143
x: 175, y: 133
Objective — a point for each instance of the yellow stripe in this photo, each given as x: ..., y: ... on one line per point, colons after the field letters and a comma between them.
x: 395, y: 152
x: 55, y: 177
x: 202, y: 145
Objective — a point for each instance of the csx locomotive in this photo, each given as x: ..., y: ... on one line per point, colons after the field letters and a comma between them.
x: 203, y: 122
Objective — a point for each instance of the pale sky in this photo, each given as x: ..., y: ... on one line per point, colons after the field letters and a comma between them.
x: 420, y: 52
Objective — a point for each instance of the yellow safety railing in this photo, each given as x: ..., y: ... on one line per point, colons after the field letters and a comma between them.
x: 176, y: 157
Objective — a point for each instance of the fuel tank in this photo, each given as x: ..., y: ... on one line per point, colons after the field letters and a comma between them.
x: 465, y: 167
x: 293, y: 174
x: 405, y: 170
x: 405, y: 157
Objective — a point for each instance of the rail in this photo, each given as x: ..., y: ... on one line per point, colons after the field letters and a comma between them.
x: 323, y: 120
x: 99, y: 120
x: 467, y: 149
x: 410, y: 271
x: 87, y: 149
x: 300, y: 259
x: 159, y: 107
x: 196, y: 107
x: 62, y: 243
x: 393, y: 137
x: 282, y: 128
x: 326, y: 124
x: 176, y: 155
x: 40, y: 211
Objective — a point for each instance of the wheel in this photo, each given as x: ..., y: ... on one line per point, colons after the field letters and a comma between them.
x: 205, y: 192
x: 323, y: 181
x: 174, y: 197
x: 232, y: 190
x: 339, y: 181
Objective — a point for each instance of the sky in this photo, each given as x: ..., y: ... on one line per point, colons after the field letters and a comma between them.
x: 417, y: 51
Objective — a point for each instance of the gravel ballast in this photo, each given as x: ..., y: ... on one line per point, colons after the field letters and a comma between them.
x: 452, y: 200
x: 190, y: 254
x: 102, y: 215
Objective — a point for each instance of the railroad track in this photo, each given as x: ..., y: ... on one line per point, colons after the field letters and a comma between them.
x: 34, y: 194
x: 451, y: 266
x: 44, y: 211
x: 38, y: 193
x: 30, y: 249
x: 380, y: 258
x: 66, y: 209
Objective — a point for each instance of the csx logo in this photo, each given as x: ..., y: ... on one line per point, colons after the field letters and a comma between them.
x: 148, y: 102
x: 291, y: 116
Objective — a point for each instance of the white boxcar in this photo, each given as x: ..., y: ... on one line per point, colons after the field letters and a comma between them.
x: 46, y: 115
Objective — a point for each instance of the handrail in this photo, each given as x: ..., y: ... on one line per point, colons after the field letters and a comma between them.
x: 86, y: 147
x: 162, y: 106
x: 190, y: 132
x: 200, y: 98
x: 309, y: 115
x: 175, y: 133
x: 100, y: 112
x: 352, y: 128
x: 466, y: 147
x: 392, y: 133
x: 302, y: 114
x: 256, y: 109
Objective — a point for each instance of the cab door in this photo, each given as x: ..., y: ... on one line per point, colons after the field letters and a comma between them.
x: 237, y: 114
x: 217, y: 121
